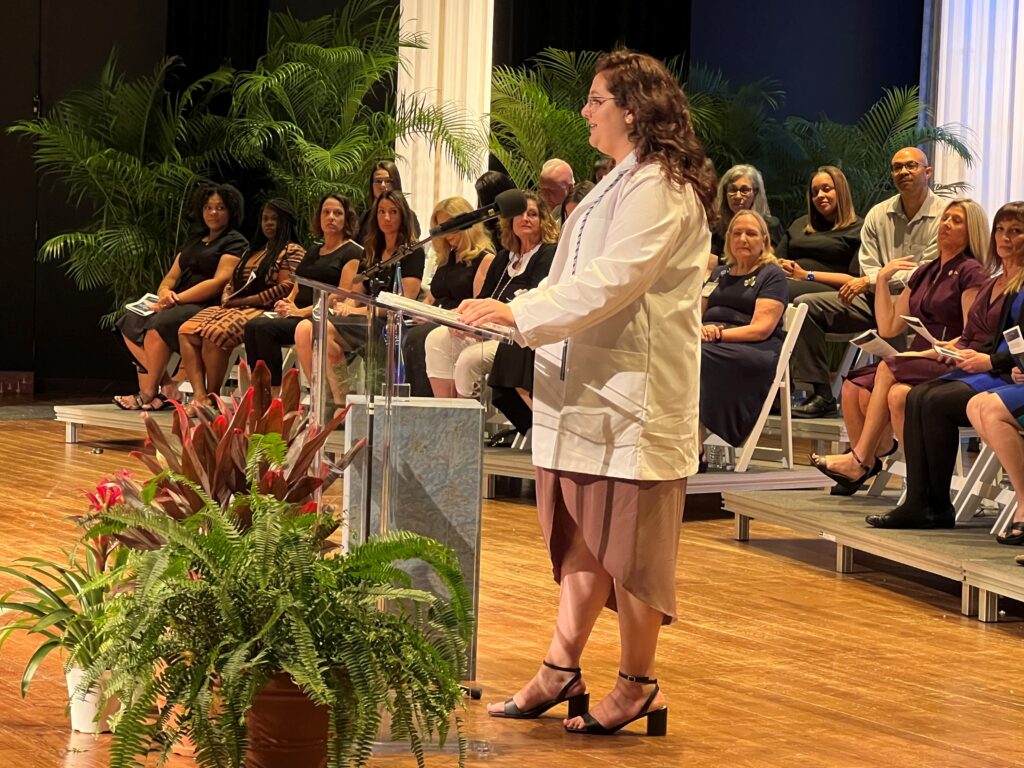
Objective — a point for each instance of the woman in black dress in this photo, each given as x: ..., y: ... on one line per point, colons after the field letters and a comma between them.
x: 335, y: 262
x: 819, y: 250
x: 391, y: 223
x: 463, y: 259
x: 195, y: 280
x: 742, y: 330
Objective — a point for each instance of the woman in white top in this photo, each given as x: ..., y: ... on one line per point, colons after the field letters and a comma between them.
x: 617, y: 331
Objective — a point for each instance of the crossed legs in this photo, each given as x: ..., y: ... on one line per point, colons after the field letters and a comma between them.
x: 1001, y: 432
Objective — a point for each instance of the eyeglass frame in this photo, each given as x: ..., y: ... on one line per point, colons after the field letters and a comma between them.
x: 731, y: 191
x: 593, y: 102
x: 910, y: 165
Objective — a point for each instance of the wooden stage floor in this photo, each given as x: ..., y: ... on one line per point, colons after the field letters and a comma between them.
x: 776, y: 660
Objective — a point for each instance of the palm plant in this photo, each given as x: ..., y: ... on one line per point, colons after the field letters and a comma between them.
x: 240, y: 592
x: 535, y: 114
x: 134, y: 153
x: 317, y: 112
x: 865, y: 149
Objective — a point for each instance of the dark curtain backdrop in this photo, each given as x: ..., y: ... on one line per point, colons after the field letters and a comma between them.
x: 830, y: 59
x: 524, y: 27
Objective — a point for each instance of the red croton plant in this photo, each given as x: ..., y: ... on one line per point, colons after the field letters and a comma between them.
x: 209, y: 452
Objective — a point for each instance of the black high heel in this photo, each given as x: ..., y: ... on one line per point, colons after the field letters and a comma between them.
x: 657, y: 720
x: 578, y: 704
x: 846, y: 486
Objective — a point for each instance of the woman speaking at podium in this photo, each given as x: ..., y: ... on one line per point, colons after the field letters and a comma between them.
x: 616, y: 327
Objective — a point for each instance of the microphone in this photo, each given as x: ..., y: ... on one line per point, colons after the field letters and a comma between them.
x: 507, y: 204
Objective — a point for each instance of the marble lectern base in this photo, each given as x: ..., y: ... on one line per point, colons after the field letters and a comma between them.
x: 435, y: 483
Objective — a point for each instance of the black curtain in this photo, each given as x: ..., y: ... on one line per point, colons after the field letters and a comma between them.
x: 522, y: 28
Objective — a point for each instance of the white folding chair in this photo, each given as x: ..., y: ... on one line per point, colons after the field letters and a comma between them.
x: 781, y: 386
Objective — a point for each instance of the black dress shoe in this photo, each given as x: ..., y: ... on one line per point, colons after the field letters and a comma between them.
x: 816, y: 407
x: 905, y: 517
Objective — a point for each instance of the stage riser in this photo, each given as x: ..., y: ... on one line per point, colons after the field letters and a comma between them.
x: 966, y: 554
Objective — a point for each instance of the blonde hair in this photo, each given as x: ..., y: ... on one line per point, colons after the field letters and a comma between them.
x: 977, y: 232
x: 474, y: 241
x: 767, y: 253
x: 548, y: 226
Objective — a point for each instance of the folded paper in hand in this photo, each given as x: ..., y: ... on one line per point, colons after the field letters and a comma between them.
x: 142, y: 306
x: 874, y: 344
x: 1015, y: 341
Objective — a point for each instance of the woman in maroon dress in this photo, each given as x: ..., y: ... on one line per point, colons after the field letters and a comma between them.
x: 940, y: 294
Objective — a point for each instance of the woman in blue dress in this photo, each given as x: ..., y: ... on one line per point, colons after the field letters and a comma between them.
x: 742, y: 330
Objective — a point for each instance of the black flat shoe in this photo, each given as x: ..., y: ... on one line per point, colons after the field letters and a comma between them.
x: 578, y: 704
x: 903, y: 517
x: 815, y: 407
x: 657, y: 720
x: 1015, y: 537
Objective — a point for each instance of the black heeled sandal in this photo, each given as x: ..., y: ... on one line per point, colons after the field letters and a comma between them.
x: 578, y: 704
x: 657, y: 720
x: 846, y: 486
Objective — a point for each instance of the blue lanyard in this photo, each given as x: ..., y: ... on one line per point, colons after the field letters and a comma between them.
x: 576, y: 256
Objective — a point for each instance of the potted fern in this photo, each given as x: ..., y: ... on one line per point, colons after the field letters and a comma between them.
x: 61, y: 603
x: 246, y: 630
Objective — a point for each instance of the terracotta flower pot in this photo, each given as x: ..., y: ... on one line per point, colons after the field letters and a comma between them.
x: 85, y: 714
x: 286, y: 729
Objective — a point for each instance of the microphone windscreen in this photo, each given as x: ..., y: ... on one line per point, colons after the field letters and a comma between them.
x: 511, y: 202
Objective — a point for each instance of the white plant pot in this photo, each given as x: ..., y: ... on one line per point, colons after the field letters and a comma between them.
x: 85, y: 715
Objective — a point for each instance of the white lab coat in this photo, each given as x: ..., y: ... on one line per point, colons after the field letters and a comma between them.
x: 628, y: 405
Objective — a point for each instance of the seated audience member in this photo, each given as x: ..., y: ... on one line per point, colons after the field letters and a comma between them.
x: 601, y: 168
x: 819, y: 250
x: 574, y: 198
x: 937, y: 409
x: 195, y: 280
x: 902, y: 227
x: 941, y: 294
x: 256, y: 285
x: 335, y: 262
x: 458, y: 365
x: 998, y: 419
x: 390, y: 228
x: 489, y: 186
x: 741, y: 189
x: 742, y: 330
x: 463, y: 259
x: 556, y: 181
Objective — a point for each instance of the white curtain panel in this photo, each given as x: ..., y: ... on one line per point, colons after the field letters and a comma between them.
x: 980, y: 85
x: 454, y: 69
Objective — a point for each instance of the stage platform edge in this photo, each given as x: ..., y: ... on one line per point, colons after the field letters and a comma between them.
x: 966, y: 554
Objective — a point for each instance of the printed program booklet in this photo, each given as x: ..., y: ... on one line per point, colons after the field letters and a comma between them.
x: 141, y: 307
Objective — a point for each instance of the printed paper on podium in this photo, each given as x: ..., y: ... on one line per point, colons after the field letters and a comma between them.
x: 432, y: 314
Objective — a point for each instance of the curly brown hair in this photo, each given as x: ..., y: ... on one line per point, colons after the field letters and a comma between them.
x: 662, y: 130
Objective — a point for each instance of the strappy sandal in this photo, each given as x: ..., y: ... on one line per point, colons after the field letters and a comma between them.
x: 162, y: 403
x: 657, y: 720
x: 578, y: 703
x: 846, y: 486
x: 891, y: 451
x: 137, y: 402
x: 1015, y: 536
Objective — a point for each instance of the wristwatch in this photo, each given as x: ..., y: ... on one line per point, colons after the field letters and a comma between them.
x: 810, y: 277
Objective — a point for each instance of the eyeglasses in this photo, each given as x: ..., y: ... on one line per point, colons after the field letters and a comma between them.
x: 593, y: 102
x: 910, y: 165
x: 739, y: 191
x: 387, y: 182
